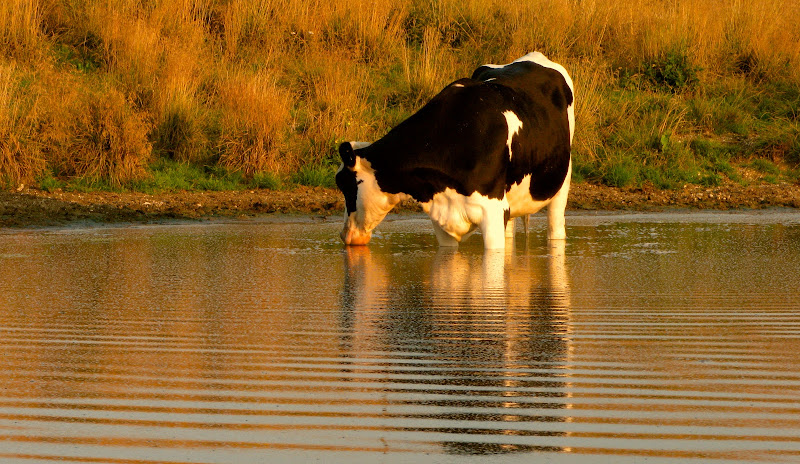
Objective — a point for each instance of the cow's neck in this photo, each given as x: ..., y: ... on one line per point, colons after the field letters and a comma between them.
x: 375, y: 203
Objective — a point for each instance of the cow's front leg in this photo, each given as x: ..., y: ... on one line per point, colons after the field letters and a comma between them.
x: 493, y: 228
x: 445, y: 239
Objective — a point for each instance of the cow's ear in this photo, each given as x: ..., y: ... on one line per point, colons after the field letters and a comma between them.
x: 348, y: 154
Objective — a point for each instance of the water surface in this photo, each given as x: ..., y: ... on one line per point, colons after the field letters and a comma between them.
x: 657, y: 337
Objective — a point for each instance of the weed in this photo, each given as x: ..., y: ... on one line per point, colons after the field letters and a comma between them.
x: 793, y: 154
x: 793, y: 175
x: 710, y: 179
x: 657, y: 177
x: 672, y: 70
x: 711, y: 150
x: 78, y: 58
x: 169, y: 175
x: 584, y: 169
x: 181, y: 134
x: 91, y: 184
x: 619, y: 173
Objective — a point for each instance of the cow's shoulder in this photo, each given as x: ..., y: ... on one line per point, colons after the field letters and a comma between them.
x: 461, y: 92
x: 462, y: 109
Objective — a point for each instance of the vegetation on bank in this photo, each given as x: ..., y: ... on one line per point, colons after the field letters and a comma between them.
x: 157, y: 95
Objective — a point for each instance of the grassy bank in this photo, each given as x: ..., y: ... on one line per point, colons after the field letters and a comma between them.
x: 217, y: 94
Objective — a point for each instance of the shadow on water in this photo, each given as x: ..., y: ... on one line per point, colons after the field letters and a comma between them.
x: 493, y: 324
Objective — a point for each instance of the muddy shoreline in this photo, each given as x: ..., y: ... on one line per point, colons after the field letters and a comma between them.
x: 36, y: 208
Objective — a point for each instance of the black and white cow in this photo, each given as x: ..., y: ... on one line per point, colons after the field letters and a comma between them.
x: 481, y: 152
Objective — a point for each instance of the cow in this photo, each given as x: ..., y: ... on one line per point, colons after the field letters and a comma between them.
x: 484, y: 150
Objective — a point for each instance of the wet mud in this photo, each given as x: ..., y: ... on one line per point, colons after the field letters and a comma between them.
x: 38, y: 208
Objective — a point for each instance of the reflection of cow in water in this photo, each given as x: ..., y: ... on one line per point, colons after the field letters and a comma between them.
x: 481, y: 152
x: 482, y: 338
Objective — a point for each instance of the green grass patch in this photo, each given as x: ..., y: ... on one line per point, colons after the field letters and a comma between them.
x: 49, y: 183
x: 620, y: 173
x: 169, y: 175
x: 765, y: 167
x: 315, y: 176
x: 81, y: 58
x: 266, y: 180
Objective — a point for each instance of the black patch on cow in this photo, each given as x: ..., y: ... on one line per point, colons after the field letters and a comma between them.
x: 348, y: 183
x: 459, y: 138
x: 453, y: 141
x: 347, y: 154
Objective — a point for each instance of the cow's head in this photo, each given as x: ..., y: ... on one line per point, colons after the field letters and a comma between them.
x: 365, y: 204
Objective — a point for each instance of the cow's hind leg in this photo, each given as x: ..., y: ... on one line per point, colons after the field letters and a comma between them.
x: 510, y: 228
x: 445, y: 239
x: 493, y: 228
x: 555, y: 211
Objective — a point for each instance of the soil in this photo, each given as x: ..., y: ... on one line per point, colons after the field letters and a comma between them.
x: 31, y: 207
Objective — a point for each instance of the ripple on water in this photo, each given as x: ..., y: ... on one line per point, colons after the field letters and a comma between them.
x: 644, y: 337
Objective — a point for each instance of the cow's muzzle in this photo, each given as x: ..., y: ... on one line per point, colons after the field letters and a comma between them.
x: 352, y: 236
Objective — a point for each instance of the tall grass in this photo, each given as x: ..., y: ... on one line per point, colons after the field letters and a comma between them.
x: 20, y: 32
x: 91, y: 131
x: 99, y: 89
x: 253, y: 124
x: 21, y: 158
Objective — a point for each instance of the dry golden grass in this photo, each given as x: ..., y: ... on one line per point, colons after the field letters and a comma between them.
x: 589, y: 79
x: 271, y: 85
x: 19, y: 26
x: 21, y: 159
x: 254, y: 123
x: 94, y: 133
x: 181, y: 118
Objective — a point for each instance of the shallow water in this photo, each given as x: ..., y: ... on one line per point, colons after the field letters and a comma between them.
x: 658, y: 336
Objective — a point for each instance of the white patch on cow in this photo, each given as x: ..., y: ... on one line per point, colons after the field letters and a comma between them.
x: 490, y: 79
x: 520, y: 201
x: 458, y: 216
x: 514, y: 126
x: 360, y: 145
